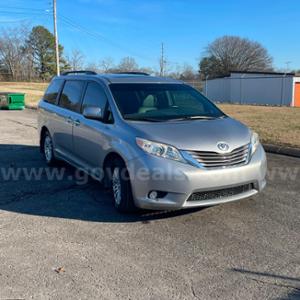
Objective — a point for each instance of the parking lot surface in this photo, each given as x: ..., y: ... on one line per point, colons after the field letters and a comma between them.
x: 60, y: 238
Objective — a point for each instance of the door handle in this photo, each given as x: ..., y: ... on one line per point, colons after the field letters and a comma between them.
x: 69, y: 120
x: 76, y: 122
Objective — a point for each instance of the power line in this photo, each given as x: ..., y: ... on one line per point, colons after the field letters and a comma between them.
x: 23, y: 11
x: 97, y: 36
x: 22, y: 8
x: 20, y: 13
x: 14, y: 21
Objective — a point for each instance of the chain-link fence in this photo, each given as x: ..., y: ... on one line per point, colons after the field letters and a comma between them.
x: 197, y: 84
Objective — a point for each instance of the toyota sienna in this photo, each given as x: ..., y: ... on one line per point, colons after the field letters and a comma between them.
x: 156, y: 142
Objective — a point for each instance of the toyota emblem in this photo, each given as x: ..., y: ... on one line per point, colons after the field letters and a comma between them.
x: 224, y: 147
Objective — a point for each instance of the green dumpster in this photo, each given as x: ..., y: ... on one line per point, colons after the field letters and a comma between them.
x: 12, y: 100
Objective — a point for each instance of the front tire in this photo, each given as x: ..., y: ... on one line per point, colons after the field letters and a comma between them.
x: 121, y: 188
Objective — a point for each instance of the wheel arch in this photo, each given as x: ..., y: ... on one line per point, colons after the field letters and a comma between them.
x: 107, y: 163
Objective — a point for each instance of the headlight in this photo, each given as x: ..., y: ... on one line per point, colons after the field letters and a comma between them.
x: 254, y: 142
x: 160, y: 150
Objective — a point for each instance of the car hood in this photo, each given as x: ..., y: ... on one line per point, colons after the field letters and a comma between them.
x: 202, y: 135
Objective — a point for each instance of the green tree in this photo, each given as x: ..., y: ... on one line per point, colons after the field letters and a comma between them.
x: 41, y: 44
x: 209, y: 66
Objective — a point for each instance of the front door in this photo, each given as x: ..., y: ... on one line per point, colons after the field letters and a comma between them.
x: 90, y: 137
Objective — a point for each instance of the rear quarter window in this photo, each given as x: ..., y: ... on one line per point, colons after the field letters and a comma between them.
x: 53, y: 90
x: 71, y: 95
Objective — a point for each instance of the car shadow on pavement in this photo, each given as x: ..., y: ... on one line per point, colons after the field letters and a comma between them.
x: 293, y: 295
x: 292, y: 283
x: 28, y: 186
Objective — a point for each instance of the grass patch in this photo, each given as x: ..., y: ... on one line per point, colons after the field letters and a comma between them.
x: 33, y: 91
x: 275, y: 125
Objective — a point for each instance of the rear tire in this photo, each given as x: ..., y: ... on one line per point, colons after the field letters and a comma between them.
x: 121, y: 187
x: 47, y: 147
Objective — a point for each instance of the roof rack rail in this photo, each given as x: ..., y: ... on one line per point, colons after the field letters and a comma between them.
x: 134, y: 73
x: 79, y: 72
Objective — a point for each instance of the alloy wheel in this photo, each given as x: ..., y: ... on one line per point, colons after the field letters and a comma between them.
x: 116, y: 186
x: 48, y: 148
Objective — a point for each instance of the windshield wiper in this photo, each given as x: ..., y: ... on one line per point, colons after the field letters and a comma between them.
x: 144, y: 119
x: 193, y: 118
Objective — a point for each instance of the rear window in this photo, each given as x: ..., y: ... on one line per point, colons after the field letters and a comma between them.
x: 53, y: 91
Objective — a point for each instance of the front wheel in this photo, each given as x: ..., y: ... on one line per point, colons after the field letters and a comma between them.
x: 48, y: 152
x: 121, y: 188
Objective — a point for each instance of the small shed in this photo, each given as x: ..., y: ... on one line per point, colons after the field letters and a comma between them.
x: 262, y: 88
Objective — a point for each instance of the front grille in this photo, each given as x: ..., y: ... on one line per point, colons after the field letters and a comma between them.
x: 207, y: 159
x: 223, y: 193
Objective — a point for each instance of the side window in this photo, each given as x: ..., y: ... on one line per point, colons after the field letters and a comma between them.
x: 94, y: 96
x: 71, y: 95
x: 52, y: 91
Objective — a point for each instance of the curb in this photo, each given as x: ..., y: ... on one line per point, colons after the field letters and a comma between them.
x: 30, y: 107
x: 283, y: 150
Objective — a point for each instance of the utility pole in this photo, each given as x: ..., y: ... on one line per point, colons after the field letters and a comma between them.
x: 162, y: 61
x: 287, y: 66
x: 56, y: 39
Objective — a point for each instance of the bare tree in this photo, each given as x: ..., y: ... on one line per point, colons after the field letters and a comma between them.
x: 128, y: 64
x: 76, y: 59
x: 13, y: 56
x: 233, y: 53
x: 180, y: 71
x: 91, y: 66
x: 187, y: 72
x: 173, y: 71
x: 147, y: 70
x: 106, y: 64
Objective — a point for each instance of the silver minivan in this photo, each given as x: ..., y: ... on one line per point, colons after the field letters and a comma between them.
x: 156, y: 142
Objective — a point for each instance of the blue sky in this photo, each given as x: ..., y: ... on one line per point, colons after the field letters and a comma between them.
x: 118, y: 28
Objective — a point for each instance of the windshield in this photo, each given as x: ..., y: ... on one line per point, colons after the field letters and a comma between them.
x: 162, y: 102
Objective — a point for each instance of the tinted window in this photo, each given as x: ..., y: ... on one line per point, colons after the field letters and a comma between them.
x: 53, y: 90
x: 162, y: 102
x: 71, y: 95
x: 94, y: 96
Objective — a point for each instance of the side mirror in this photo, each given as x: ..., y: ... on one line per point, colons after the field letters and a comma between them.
x: 93, y: 112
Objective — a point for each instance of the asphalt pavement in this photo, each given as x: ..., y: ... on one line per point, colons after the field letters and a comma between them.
x: 61, y: 238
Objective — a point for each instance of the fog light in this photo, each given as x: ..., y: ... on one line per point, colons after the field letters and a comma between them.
x: 153, y: 195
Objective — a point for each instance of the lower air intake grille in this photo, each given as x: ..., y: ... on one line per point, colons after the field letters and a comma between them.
x: 224, y: 193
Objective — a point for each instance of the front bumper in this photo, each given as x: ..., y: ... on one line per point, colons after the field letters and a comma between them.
x: 179, y: 181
